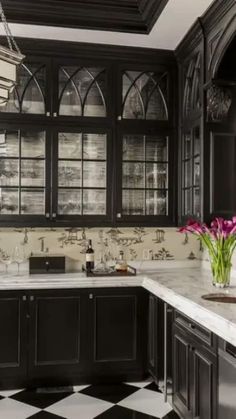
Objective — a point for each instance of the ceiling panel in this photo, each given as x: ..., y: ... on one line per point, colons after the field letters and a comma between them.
x: 137, y: 16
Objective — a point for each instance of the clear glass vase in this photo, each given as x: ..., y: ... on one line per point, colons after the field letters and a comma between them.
x: 221, y: 270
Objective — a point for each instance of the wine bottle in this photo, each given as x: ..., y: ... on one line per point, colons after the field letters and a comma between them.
x: 89, y: 257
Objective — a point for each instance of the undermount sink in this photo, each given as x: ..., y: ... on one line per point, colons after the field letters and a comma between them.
x: 220, y: 298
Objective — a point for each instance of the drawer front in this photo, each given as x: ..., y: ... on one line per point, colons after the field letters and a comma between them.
x: 202, y: 334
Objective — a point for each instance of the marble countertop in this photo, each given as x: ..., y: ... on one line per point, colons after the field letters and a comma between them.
x: 182, y: 288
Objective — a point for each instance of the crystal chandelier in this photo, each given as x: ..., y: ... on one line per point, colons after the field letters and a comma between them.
x: 10, y: 58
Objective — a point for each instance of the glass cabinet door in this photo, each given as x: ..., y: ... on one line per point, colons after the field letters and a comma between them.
x: 145, y: 168
x: 29, y: 95
x: 145, y: 95
x: 191, y: 152
x: 82, y: 174
x: 22, y: 172
x: 82, y: 91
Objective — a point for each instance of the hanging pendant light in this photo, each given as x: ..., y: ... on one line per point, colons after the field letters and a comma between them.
x: 10, y: 59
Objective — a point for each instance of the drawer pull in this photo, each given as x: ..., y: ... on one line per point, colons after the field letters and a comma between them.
x: 90, y: 296
x: 31, y: 298
x: 24, y: 298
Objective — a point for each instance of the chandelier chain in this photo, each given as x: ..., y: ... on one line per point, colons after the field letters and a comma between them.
x: 10, y: 39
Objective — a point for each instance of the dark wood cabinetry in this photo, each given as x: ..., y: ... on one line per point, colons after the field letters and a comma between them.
x: 119, y: 333
x: 13, y: 337
x: 51, y: 337
x: 156, y: 339
x: 207, y: 101
x: 102, y: 131
x: 194, y: 370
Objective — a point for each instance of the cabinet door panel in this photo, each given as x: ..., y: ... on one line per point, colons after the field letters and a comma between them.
x: 55, y: 335
x: 223, y: 175
x: 13, y: 326
x: 115, y: 328
x: 119, y: 334
x: 181, y: 374
x: 205, y: 386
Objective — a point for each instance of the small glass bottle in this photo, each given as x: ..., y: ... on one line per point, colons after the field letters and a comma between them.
x: 89, y: 257
x: 121, y: 264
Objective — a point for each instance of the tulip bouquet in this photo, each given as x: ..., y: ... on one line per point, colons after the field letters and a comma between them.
x: 220, y: 241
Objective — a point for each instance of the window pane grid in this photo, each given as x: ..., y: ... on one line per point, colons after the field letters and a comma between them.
x: 144, y: 181
x: 82, y: 182
x: 22, y: 179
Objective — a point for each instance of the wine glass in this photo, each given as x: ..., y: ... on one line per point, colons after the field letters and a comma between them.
x: 6, y: 260
x: 18, y: 257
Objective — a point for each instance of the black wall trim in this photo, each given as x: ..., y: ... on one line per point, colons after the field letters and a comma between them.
x: 136, y: 16
x: 83, y: 50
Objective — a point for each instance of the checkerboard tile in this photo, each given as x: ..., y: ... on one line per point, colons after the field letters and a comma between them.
x: 140, y: 400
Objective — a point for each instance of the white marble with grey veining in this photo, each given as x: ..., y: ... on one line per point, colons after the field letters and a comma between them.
x: 180, y: 287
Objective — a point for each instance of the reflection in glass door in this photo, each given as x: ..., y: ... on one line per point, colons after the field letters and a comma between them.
x: 22, y: 172
x: 82, y: 173
x: 145, y: 170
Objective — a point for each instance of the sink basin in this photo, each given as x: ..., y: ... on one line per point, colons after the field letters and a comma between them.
x: 220, y: 298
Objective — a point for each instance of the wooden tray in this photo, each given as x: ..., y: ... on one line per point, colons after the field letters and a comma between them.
x: 130, y: 272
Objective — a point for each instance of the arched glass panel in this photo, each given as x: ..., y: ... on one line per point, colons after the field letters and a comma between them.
x: 82, y: 91
x: 29, y: 94
x: 196, y: 104
x: 144, y: 96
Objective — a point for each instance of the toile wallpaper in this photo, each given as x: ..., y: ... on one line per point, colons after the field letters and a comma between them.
x: 137, y: 243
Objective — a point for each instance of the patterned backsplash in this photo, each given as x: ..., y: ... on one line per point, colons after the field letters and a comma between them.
x: 137, y: 243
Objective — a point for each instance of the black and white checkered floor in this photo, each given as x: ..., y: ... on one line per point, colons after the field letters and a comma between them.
x: 119, y: 401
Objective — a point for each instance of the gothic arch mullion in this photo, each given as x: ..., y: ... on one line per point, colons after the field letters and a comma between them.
x: 18, y: 97
x: 70, y: 80
x: 32, y: 77
x: 150, y: 94
x: 195, y: 81
x: 95, y: 81
x: 133, y: 84
x: 188, y: 86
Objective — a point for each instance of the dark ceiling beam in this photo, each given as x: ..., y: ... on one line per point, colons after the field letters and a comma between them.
x: 136, y: 16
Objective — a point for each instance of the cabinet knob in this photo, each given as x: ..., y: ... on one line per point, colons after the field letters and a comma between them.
x: 54, y: 215
x: 54, y: 114
x: 119, y: 118
x: 48, y: 114
x: 47, y: 215
x: 31, y: 298
x: 90, y: 296
x: 118, y: 215
x: 24, y: 298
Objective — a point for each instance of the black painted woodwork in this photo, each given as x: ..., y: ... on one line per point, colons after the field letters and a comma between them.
x: 136, y: 16
x: 156, y: 339
x: 13, y: 336
x: 195, y: 369
x: 57, y: 335
x: 181, y: 374
x: 213, y: 36
x: 53, y: 55
x: 65, y: 337
x: 118, y: 333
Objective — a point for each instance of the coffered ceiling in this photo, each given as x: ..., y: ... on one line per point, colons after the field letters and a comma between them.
x: 172, y: 24
x: 136, y: 16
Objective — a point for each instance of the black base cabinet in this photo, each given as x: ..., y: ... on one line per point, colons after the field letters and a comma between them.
x: 63, y: 337
x: 13, y: 337
x: 194, y: 370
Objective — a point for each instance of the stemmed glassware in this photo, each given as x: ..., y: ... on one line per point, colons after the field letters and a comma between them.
x: 18, y: 257
x: 6, y: 260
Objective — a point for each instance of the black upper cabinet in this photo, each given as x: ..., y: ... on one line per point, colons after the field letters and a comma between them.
x: 89, y: 141
x: 207, y: 103
x: 191, y: 77
x: 145, y: 147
